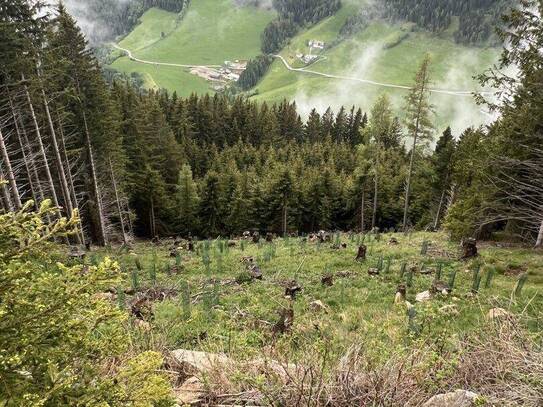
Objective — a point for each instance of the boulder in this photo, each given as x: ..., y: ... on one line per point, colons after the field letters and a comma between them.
x: 317, y: 306
x: 193, y: 362
x: 190, y: 392
x: 423, y: 296
x: 458, y: 398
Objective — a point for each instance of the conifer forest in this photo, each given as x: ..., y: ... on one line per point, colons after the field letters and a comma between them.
x: 226, y: 248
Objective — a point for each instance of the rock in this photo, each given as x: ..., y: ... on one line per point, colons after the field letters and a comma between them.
x: 317, y: 306
x: 142, y: 325
x: 497, y: 313
x: 372, y: 271
x: 194, y: 362
x: 458, y: 398
x: 440, y: 287
x: 450, y: 310
x: 190, y: 392
x: 423, y: 296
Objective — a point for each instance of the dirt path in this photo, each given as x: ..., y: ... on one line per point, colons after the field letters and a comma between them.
x: 367, y: 81
x: 142, y: 61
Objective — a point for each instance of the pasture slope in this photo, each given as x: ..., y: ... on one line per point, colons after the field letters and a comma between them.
x: 214, y: 31
x: 211, y: 32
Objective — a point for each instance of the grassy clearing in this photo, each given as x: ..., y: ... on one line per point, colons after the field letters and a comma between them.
x: 227, y: 313
x: 211, y: 32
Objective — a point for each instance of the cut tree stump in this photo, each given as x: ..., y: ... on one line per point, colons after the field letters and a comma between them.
x: 361, y: 255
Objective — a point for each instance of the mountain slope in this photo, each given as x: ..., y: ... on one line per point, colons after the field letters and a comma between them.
x: 381, y: 52
x: 210, y: 32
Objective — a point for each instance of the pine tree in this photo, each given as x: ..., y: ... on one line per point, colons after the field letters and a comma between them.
x: 419, y: 125
x: 187, y: 201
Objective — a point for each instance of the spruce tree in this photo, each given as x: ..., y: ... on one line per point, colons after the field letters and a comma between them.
x: 418, y: 123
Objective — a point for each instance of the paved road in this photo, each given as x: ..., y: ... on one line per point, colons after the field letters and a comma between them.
x: 385, y: 85
x: 142, y: 61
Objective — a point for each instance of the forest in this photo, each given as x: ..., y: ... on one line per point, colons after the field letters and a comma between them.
x: 131, y: 225
x: 155, y: 164
x: 477, y: 19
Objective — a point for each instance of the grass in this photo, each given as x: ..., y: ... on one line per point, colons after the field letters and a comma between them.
x: 369, y: 55
x: 211, y: 32
x: 235, y: 317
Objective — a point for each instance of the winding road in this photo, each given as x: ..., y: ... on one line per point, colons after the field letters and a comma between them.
x: 464, y: 93
x: 142, y: 61
x: 367, y: 81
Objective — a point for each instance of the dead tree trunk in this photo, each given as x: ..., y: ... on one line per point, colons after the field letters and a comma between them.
x: 41, y: 147
x: 96, y: 190
x: 117, y: 200
x: 60, y: 167
x: 285, y: 211
x: 152, y: 226
x: 9, y: 172
x: 539, y: 241
x: 439, y: 209
x: 375, y: 198
x: 6, y: 200
x: 68, y: 171
x: 26, y: 160
x: 362, y: 210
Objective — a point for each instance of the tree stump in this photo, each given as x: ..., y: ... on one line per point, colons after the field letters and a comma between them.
x: 327, y: 280
x: 256, y: 237
x: 469, y: 248
x: 286, y: 318
x: 292, y: 289
x: 361, y: 255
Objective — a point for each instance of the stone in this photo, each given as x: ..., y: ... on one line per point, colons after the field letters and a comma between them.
x: 372, y: 271
x: 449, y: 310
x: 497, y: 313
x: 193, y: 362
x: 440, y: 287
x: 399, y: 299
x: 423, y: 296
x: 458, y: 398
x: 190, y: 392
x: 317, y: 306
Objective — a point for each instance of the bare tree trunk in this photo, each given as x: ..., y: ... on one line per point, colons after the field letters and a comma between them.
x: 152, y: 219
x: 41, y: 147
x: 96, y: 190
x: 119, y: 208
x: 10, y: 173
x: 539, y: 242
x: 127, y: 209
x: 285, y: 210
x: 27, y: 160
x: 439, y: 208
x: 362, y: 210
x: 68, y: 171
x: 410, y: 174
x: 60, y: 167
x: 375, y: 199
x: 6, y: 200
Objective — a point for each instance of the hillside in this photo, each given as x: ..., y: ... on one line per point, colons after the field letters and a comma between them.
x: 210, y: 32
x: 383, y: 52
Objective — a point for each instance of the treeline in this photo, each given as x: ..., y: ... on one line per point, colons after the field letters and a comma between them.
x: 478, y: 19
x: 256, y: 69
x: 110, y: 18
x: 155, y: 164
x: 294, y: 14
